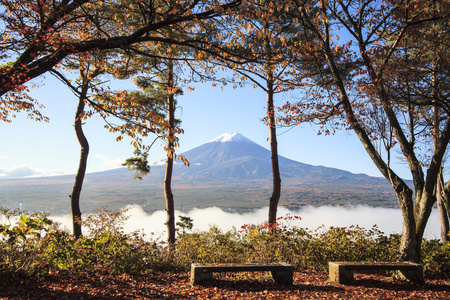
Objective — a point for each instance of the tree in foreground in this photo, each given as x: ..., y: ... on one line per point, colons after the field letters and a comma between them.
x: 264, y: 65
x: 259, y: 52
x: 158, y: 84
x: 165, y: 90
x: 364, y: 102
x: 87, y: 76
x: 37, y: 36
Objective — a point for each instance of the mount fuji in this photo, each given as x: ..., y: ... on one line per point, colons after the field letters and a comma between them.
x: 230, y: 171
x: 233, y: 157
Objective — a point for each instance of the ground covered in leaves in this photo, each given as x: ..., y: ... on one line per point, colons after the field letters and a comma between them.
x: 307, y: 285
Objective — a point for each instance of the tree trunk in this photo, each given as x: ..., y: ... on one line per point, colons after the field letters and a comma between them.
x: 170, y: 223
x: 415, y: 212
x: 424, y: 183
x: 409, y: 245
x: 79, y: 178
x: 276, y: 191
x: 443, y: 220
x: 443, y: 216
x: 446, y: 197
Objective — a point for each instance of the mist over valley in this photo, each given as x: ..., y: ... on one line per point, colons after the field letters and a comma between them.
x: 230, y: 178
x: 230, y: 172
x: 387, y: 220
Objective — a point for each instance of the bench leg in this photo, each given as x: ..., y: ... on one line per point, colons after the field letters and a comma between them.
x: 415, y: 276
x: 198, y: 276
x: 284, y: 277
x: 339, y: 275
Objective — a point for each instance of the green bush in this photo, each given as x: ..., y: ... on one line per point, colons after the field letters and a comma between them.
x: 37, y: 246
x: 211, y: 246
x: 20, y: 243
x: 436, y: 257
x: 302, y: 248
x: 316, y: 249
x: 105, y: 248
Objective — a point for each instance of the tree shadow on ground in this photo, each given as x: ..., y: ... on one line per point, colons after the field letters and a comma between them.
x: 388, y: 283
x: 255, y: 286
x: 166, y: 285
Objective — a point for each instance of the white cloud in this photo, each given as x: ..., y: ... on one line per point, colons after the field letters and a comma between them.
x: 388, y: 220
x: 3, y: 156
x: 157, y: 163
x: 24, y: 171
x: 110, y: 163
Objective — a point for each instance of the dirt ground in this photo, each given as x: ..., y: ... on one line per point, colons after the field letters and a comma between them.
x: 307, y: 285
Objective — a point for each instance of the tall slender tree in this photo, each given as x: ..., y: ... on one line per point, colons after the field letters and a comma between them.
x: 135, y: 113
x: 159, y: 91
x: 88, y: 71
x: 259, y: 54
x: 86, y: 78
x: 170, y: 148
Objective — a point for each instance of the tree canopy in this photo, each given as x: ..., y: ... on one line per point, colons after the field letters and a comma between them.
x: 37, y: 35
x: 379, y: 68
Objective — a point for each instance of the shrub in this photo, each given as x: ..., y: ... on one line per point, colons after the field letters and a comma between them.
x: 211, y: 246
x: 20, y: 244
x: 37, y: 246
x: 105, y: 248
x: 354, y: 243
x: 436, y: 257
x: 302, y: 248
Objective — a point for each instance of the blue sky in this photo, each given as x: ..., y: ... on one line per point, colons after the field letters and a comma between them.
x: 38, y: 148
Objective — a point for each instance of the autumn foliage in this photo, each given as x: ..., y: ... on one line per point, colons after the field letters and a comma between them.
x: 379, y: 68
x: 35, y: 245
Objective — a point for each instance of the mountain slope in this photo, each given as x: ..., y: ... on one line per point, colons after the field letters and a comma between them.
x: 230, y: 171
x: 232, y: 157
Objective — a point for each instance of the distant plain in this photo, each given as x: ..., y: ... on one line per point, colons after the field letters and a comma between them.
x: 116, y: 189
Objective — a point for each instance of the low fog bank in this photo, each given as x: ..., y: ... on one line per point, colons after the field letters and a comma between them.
x: 388, y: 220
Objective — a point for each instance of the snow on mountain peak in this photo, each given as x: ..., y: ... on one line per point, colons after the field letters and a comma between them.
x: 230, y: 137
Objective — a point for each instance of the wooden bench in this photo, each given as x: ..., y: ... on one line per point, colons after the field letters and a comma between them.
x: 342, y: 272
x: 282, y: 273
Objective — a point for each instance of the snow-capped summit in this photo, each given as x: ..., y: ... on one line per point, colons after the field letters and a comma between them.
x: 233, y: 156
x: 230, y: 137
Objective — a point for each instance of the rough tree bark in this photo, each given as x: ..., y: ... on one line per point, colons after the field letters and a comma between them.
x: 409, y: 247
x: 445, y: 196
x: 443, y: 216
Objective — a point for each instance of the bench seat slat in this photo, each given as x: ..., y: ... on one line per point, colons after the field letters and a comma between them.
x: 281, y: 272
x: 342, y: 272
x: 405, y: 266
x: 235, y: 267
